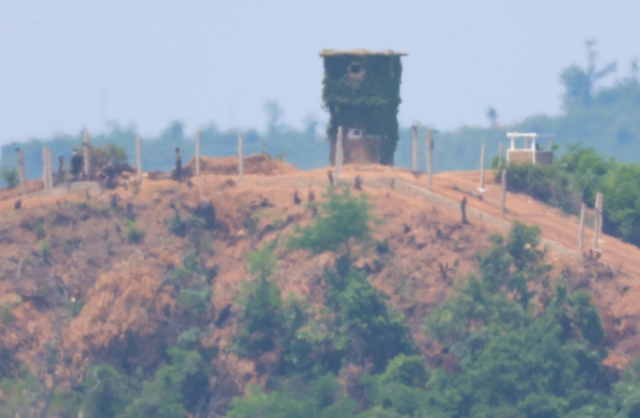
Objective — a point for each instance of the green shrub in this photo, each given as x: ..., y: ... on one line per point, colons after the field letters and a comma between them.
x: 262, y: 262
x: 588, y: 168
x: 40, y: 230
x: 163, y: 396
x: 179, y: 226
x: 110, y: 153
x: 341, y: 217
x: 262, y: 322
x: 10, y: 176
x: 621, y: 190
x: 188, y: 338
x: 19, y: 393
x: 195, y: 301
x: 105, y: 392
x: 6, y: 316
x: 133, y: 232
x: 377, y: 331
x: 45, y: 248
x: 323, y: 399
x: 545, y: 183
x: 74, y: 307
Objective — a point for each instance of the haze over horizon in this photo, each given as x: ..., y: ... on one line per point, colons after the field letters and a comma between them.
x: 77, y: 64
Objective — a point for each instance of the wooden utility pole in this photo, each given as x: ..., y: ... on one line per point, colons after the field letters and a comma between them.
x: 339, y: 153
x: 482, y: 152
x: 49, y: 169
x: 240, y: 157
x: 138, y: 159
x: 197, y: 153
x: 47, y: 178
x: 429, y: 157
x: 598, y: 221
x: 21, y: 172
x: 500, y: 152
x: 87, y: 156
x: 581, y: 228
x: 504, y: 192
x: 414, y: 149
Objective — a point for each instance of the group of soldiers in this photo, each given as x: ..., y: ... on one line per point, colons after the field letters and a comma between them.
x: 76, y: 162
x: 77, y: 167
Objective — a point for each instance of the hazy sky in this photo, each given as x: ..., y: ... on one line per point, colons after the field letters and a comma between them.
x: 65, y: 65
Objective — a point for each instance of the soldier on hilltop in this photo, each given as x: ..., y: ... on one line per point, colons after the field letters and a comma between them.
x: 77, y: 166
x: 177, y: 175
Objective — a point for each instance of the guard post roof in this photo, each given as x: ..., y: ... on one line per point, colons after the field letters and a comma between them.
x: 362, y: 52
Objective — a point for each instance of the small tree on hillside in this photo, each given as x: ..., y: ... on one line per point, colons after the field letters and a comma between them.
x: 10, y: 176
x: 342, y: 217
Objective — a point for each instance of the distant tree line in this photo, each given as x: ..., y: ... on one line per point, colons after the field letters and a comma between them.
x: 605, y: 118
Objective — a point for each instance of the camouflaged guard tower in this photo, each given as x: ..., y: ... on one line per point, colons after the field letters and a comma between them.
x: 362, y: 94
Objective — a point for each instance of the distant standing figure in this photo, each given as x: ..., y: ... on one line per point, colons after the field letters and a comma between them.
x: 357, y: 184
x: 77, y: 165
x: 178, y: 173
x: 330, y: 176
x: 61, y: 170
x: 463, y: 209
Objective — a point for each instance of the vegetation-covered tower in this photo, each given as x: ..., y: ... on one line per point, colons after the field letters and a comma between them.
x: 362, y: 93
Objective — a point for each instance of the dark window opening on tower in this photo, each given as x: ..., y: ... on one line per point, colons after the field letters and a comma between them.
x: 355, y: 69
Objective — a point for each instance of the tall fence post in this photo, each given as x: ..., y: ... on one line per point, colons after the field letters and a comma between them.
x: 61, y: 170
x: 414, y: 149
x: 49, y: 169
x: 598, y: 221
x: 339, y: 153
x: 581, y: 228
x: 21, y: 172
x: 482, y: 152
x: 504, y: 192
x: 197, y: 153
x: 240, y: 156
x: 429, y: 157
x: 47, y: 178
x: 500, y: 152
x: 138, y: 159
x: 87, y: 156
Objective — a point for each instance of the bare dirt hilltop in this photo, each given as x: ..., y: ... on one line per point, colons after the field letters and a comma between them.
x: 91, y: 273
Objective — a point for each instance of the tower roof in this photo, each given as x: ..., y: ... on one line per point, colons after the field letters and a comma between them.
x: 334, y: 52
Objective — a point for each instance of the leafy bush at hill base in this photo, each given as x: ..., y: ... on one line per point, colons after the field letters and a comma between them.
x: 263, y: 318
x: 162, y: 397
x: 511, y: 360
x: 106, y: 393
x: 323, y: 399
